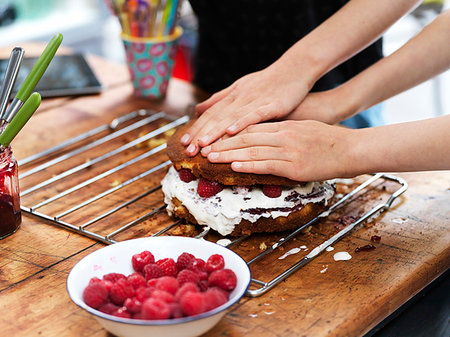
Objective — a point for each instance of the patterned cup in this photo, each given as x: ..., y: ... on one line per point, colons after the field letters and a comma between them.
x: 150, y: 62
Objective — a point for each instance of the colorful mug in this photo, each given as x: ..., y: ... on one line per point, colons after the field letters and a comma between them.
x: 150, y: 62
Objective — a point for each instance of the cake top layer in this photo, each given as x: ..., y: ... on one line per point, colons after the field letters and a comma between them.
x: 201, y: 167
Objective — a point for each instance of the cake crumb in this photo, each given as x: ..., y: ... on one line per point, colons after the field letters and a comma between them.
x: 262, y: 246
x: 155, y: 142
x: 169, y: 132
x: 115, y: 183
x: 184, y: 230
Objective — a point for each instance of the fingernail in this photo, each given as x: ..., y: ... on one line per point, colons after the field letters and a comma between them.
x: 232, y: 128
x: 213, y: 155
x: 206, y: 150
x: 185, y: 139
x: 236, y: 165
x: 191, y: 148
x: 204, y: 140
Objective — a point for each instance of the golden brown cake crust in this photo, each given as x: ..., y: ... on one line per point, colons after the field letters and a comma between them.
x: 201, y: 167
x: 262, y: 225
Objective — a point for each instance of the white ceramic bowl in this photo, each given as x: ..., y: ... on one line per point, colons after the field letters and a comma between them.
x: 117, y: 258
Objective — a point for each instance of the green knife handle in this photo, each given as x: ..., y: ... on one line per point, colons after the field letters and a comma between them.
x: 22, y: 117
x: 39, y: 68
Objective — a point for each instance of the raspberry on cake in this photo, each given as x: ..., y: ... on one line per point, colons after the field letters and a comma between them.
x: 234, y: 203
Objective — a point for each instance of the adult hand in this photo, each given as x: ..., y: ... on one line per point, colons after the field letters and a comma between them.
x: 299, y: 150
x: 268, y: 94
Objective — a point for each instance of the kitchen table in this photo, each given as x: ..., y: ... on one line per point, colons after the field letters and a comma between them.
x: 324, y: 298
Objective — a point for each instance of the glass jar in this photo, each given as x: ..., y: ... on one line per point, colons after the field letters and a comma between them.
x: 10, y: 215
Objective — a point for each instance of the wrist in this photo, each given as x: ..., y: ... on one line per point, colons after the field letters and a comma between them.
x: 359, y: 155
x: 347, y: 101
x: 300, y: 65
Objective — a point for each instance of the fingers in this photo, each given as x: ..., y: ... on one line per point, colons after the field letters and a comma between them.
x: 257, y: 115
x: 225, y: 116
x: 280, y: 168
x: 254, y: 153
x: 247, y: 138
x: 210, y: 126
x: 205, y: 105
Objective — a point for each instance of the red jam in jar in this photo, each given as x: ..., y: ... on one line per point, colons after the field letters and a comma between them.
x: 10, y: 215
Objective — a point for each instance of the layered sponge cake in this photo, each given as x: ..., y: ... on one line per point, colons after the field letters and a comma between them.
x: 235, y: 203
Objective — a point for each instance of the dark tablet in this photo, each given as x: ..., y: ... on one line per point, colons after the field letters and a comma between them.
x: 67, y: 75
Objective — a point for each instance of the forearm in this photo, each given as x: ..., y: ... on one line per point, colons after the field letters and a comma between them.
x: 423, y: 57
x: 351, y: 29
x: 414, y: 146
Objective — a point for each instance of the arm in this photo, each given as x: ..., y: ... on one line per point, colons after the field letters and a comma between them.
x: 311, y: 150
x: 275, y: 91
x: 424, y: 56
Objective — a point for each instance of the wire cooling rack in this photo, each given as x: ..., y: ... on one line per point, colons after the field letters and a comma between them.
x: 105, y: 184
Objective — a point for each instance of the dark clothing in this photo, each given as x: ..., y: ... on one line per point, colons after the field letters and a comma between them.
x: 237, y: 37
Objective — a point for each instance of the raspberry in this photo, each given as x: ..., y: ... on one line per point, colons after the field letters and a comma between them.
x: 187, y: 287
x: 207, y: 188
x: 175, y: 310
x: 94, y: 280
x: 199, y: 266
x: 143, y: 293
x: 163, y: 296
x: 122, y: 312
x: 186, y: 175
x: 167, y: 283
x: 152, y: 271
x: 272, y: 191
x: 113, y: 277
x: 184, y: 260
x: 108, y: 285
x: 224, y: 278
x: 140, y: 260
x: 152, y: 283
x: 95, y: 294
x: 214, y: 297
x: 215, y: 262
x: 187, y: 275
x: 120, y: 291
x: 108, y: 308
x: 153, y: 308
x: 192, y: 303
x: 168, y: 266
x: 136, y: 280
x: 203, y: 285
x: 133, y: 305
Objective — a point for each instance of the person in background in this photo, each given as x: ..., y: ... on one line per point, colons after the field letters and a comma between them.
x: 306, y: 150
x: 266, y: 55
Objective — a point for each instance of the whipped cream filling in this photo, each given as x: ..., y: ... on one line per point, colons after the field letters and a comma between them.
x: 223, y: 211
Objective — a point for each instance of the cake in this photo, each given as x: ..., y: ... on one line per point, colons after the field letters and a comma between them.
x: 234, y: 203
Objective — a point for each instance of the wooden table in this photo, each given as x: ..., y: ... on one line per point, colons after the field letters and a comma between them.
x: 325, y: 298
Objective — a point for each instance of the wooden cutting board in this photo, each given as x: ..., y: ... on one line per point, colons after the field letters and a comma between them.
x: 324, y: 298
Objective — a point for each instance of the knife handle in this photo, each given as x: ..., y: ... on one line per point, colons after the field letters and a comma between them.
x: 22, y: 117
x: 12, y: 69
x: 39, y: 68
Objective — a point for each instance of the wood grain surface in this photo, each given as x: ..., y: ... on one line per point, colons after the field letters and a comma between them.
x: 324, y: 298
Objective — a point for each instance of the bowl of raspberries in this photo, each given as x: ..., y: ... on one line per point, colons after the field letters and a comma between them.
x: 159, y: 286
